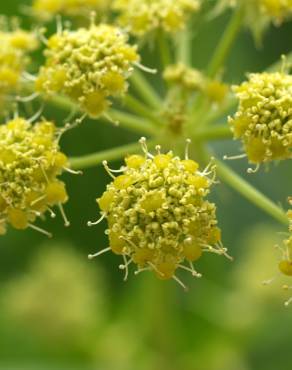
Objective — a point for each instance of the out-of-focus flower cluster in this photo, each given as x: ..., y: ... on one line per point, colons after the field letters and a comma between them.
x: 47, y: 9
x: 30, y: 163
x: 142, y: 17
x: 60, y: 298
x: 260, y: 13
x: 88, y: 65
x: 14, y: 49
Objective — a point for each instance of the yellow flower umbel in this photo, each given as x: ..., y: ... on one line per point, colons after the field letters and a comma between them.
x: 157, y: 214
x: 142, y: 17
x: 260, y: 13
x: 264, y: 118
x: 89, y: 66
x: 285, y: 264
x: 30, y: 162
x: 14, y: 48
x: 48, y: 9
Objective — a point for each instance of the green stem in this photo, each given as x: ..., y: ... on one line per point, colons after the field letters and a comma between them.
x: 91, y: 160
x: 215, y: 132
x: 248, y: 191
x: 164, y: 49
x: 226, y: 42
x: 134, y: 123
x: 145, y: 90
x: 129, y: 121
x: 184, y: 48
x: 139, y: 108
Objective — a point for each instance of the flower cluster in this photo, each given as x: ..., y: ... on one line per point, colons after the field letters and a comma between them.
x: 192, y: 80
x: 58, y: 297
x: 14, y: 48
x: 264, y: 118
x: 88, y: 65
x: 144, y: 16
x: 30, y: 162
x: 260, y: 13
x: 157, y: 213
x: 47, y: 9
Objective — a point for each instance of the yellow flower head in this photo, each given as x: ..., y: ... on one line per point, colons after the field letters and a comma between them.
x: 30, y: 163
x: 260, y: 13
x: 89, y: 66
x: 264, y: 118
x: 47, y: 9
x: 14, y: 47
x: 184, y: 76
x: 144, y: 16
x: 158, y: 217
x: 285, y: 264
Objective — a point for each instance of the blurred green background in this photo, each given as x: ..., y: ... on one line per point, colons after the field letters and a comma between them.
x: 60, y: 311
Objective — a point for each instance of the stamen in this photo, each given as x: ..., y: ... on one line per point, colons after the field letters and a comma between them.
x: 29, y: 76
x: 142, y: 270
x: 288, y: 302
x: 143, y: 143
x: 110, y: 119
x: 158, y: 149
x: 198, y: 274
x: 91, y: 256
x: 63, y: 214
x: 254, y: 170
x: 156, y: 269
x: 59, y: 24
x: 234, y: 157
x: 125, y: 267
x: 37, y: 114
x: 29, y: 98
x: 52, y: 213
x: 42, y: 231
x: 104, y: 163
x: 72, y: 171
x: 145, y: 69
x: 188, y: 143
x: 34, y: 202
x: 185, y: 288
x: 89, y: 223
x: 41, y: 33
x: 192, y: 271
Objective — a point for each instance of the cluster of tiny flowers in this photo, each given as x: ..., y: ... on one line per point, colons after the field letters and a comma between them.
x: 88, y: 65
x: 14, y: 48
x: 47, y: 9
x: 30, y: 162
x: 157, y: 214
x: 142, y: 17
x: 264, y: 118
x: 260, y: 13
x: 193, y: 80
x: 285, y: 264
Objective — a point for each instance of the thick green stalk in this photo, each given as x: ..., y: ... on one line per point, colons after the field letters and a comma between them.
x: 227, y: 175
x: 226, y: 42
x: 94, y: 159
x: 215, y: 132
x: 129, y: 121
x: 145, y: 90
x: 133, y: 123
x: 164, y: 49
x: 248, y: 191
x: 139, y: 108
x: 184, y: 48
